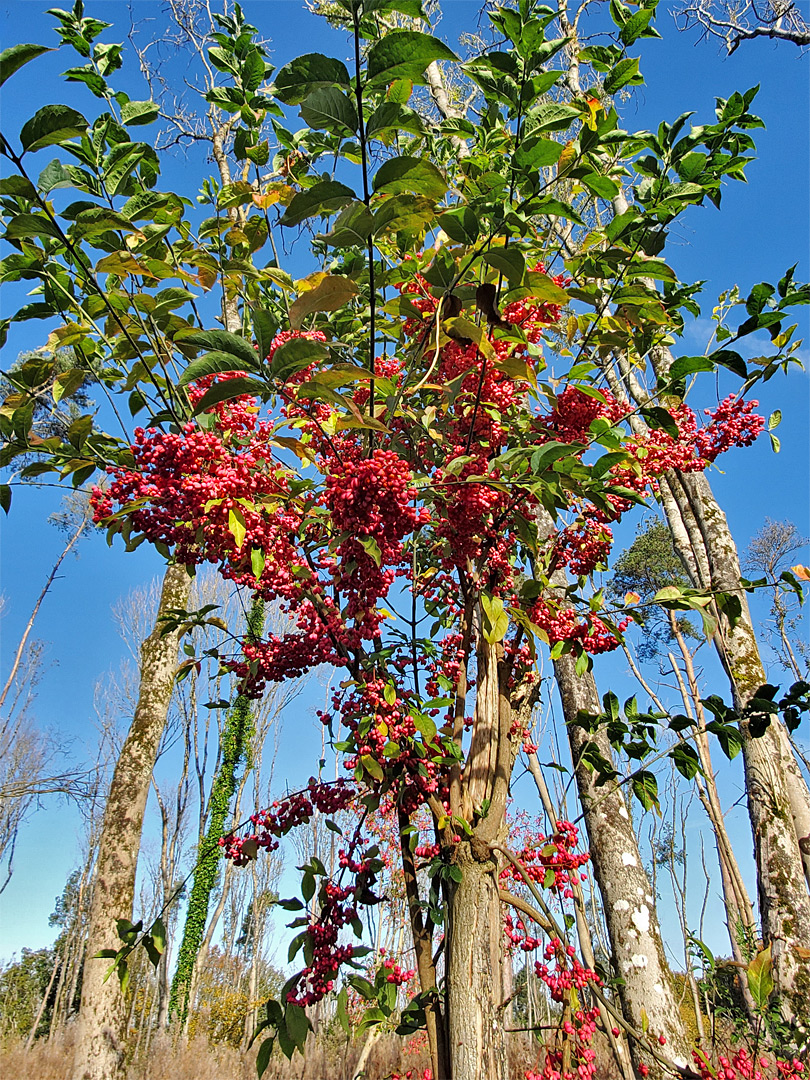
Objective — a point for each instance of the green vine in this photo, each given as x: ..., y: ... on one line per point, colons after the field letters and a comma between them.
x: 234, y: 749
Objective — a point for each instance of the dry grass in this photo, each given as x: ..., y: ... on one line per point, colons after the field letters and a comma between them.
x: 326, y: 1059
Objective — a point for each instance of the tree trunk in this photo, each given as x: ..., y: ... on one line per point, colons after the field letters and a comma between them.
x: 778, y: 802
x: 648, y: 991
x: 474, y: 946
x: 99, y: 1050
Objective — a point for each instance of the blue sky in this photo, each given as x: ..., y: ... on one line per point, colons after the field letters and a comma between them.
x: 760, y: 231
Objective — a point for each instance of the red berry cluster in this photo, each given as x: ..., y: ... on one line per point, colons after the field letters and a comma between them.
x: 741, y: 1066
x: 541, y: 854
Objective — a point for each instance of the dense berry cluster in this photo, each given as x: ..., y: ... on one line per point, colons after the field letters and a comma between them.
x: 742, y: 1066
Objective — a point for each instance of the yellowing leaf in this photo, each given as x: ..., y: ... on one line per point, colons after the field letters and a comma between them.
x: 236, y: 526
x: 631, y: 598
x: 801, y: 572
x: 331, y: 292
x: 566, y: 157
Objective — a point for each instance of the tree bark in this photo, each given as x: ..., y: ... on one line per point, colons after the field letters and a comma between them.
x: 627, y: 899
x: 474, y: 987
x: 99, y: 1050
x: 778, y: 801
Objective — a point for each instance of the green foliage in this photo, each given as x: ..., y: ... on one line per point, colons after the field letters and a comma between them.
x: 234, y: 749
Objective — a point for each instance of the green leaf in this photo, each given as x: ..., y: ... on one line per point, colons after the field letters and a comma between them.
x: 460, y: 224
x: 686, y: 760
x: 543, y: 288
x: 257, y: 561
x: 645, y: 788
x: 391, y: 117
x: 223, y: 341
x: 600, y: 185
x: 263, y: 1056
x: 636, y: 26
x: 321, y: 200
x: 509, y: 261
x: 553, y: 116
x: 688, y: 365
x: 621, y: 74
x: 352, y: 227
x: 342, y: 1012
x: 760, y: 978
x: 52, y: 125
x: 371, y: 548
x: 402, y: 174
x: 727, y: 358
x: 31, y: 225
x: 13, y: 58
x: 425, y: 726
x: 139, y: 112
x: 297, y: 1024
x: 313, y: 71
x: 329, y: 109
x: 538, y: 153
x: 5, y: 497
x: 226, y: 391
x: 404, y: 54
x: 294, y: 355
x: 371, y: 765
x: 53, y: 176
x: 213, y: 363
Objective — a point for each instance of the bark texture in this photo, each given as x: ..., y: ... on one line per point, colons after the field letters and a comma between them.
x: 777, y: 794
x: 474, y: 948
x: 627, y: 896
x: 99, y: 1049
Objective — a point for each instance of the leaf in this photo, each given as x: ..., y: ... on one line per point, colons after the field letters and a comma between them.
x: 236, y: 525
x: 404, y: 54
x: 223, y: 341
x: 321, y: 200
x: 52, y: 125
x: 352, y: 227
x: 294, y: 355
x: 410, y: 174
x: 686, y: 760
x: 509, y: 262
x: 53, y: 176
x: 341, y: 1012
x: 139, y: 112
x: 13, y: 58
x: 313, y: 71
x: 330, y: 110
x: 371, y: 548
x: 425, y: 726
x: 621, y: 74
x: 645, y: 788
x: 392, y: 117
x: 727, y: 358
x: 404, y: 213
x: 600, y: 185
x: 5, y: 497
x: 331, y: 293
x: 801, y: 572
x: 297, y: 1024
x: 263, y: 1056
x: 213, y: 363
x: 538, y: 153
x: 543, y: 288
x: 760, y: 978
x: 496, y: 620
x: 226, y: 391
x: 688, y: 365
x: 460, y: 224
x: 371, y: 765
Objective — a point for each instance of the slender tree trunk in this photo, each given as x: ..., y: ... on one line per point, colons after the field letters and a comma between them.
x: 628, y: 902
x: 99, y: 1049
x: 33, y: 1032
x: 778, y: 801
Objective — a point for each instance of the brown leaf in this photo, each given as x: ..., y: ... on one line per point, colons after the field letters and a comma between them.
x: 485, y: 297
